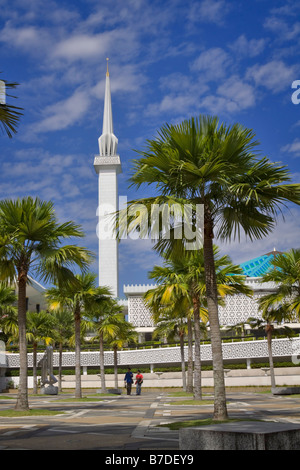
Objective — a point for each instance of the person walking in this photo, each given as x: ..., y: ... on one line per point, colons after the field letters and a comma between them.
x: 138, y: 382
x: 128, y: 380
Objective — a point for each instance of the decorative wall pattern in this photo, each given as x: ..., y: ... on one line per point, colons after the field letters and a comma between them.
x: 231, y: 351
x: 238, y: 308
x: 138, y: 314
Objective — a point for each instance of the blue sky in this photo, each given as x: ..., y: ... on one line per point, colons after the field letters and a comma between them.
x: 168, y: 61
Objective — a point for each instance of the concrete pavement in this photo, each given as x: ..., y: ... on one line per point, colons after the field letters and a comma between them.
x: 127, y: 423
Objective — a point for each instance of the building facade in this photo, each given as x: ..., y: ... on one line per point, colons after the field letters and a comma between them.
x: 237, y: 309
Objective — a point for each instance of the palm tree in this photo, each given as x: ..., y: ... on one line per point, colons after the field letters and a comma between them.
x: 79, y: 297
x: 284, y: 303
x: 30, y: 244
x: 190, y: 271
x: 8, y: 313
x: 39, y: 330
x: 171, y: 299
x: 7, y: 297
x: 124, y: 334
x: 285, y: 274
x: 271, y: 317
x: 171, y: 328
x: 63, y: 330
x: 203, y: 163
x: 9, y: 114
x: 105, y: 321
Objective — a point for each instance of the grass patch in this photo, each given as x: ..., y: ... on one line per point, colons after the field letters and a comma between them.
x: 6, y: 397
x: 196, y: 422
x: 36, y: 412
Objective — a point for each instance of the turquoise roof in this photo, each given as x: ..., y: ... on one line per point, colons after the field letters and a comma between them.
x: 259, y: 266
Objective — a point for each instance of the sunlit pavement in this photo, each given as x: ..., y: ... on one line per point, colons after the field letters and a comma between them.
x: 127, y: 422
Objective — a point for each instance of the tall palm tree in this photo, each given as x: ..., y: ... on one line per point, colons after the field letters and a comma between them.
x: 171, y: 328
x: 31, y: 244
x: 190, y: 269
x: 272, y: 317
x: 105, y: 321
x: 63, y: 329
x: 79, y: 297
x: 284, y: 303
x: 124, y: 334
x: 171, y: 298
x: 39, y: 330
x: 9, y: 114
x: 202, y: 162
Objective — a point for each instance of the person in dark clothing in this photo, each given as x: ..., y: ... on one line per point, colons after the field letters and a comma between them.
x: 128, y: 380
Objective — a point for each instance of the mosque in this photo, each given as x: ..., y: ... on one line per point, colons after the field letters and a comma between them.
x: 236, y: 309
x: 107, y: 165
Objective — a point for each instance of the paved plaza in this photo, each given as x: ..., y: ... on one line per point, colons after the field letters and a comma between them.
x: 127, y: 423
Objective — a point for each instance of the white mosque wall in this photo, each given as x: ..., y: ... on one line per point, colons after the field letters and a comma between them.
x: 238, y: 308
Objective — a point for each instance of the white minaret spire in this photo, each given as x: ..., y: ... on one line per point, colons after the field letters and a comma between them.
x: 108, y: 142
x: 107, y: 165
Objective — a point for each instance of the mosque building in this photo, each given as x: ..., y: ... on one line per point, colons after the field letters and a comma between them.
x: 238, y: 308
x: 107, y: 165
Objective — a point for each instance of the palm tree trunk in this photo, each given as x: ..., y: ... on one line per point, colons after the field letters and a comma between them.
x: 181, y: 339
x: 22, y: 399
x: 102, y: 371
x: 269, y: 331
x: 77, y: 352
x: 116, y: 367
x: 34, y: 367
x: 189, y: 387
x: 60, y: 368
x: 197, y: 368
x: 220, y: 410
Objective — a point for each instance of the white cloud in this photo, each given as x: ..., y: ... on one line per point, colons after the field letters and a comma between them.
x: 293, y: 148
x: 248, y: 47
x: 64, y: 113
x: 237, y: 91
x: 283, y: 30
x: 120, y: 42
x: 31, y: 39
x: 212, y: 63
x: 210, y: 11
x: 82, y: 46
x: 274, y: 75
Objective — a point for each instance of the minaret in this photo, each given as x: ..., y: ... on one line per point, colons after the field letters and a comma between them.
x: 107, y: 165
